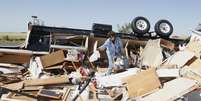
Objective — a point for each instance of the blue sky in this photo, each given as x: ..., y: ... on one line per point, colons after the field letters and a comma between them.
x: 14, y: 14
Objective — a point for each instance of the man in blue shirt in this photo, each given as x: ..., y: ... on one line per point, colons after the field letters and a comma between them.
x: 114, y: 50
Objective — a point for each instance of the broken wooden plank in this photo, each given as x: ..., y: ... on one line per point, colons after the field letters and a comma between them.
x: 14, y: 86
x: 142, y: 83
x: 32, y: 88
x: 48, y: 81
x: 172, y: 90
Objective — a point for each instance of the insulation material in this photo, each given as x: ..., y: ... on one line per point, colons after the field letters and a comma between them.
x: 152, y: 54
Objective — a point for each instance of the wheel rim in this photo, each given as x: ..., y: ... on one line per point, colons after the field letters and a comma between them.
x: 141, y: 24
x: 164, y: 27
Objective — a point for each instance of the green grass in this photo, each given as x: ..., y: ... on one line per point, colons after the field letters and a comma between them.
x: 12, y: 35
x: 12, y: 38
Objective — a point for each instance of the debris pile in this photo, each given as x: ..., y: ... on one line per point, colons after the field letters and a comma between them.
x: 159, y: 70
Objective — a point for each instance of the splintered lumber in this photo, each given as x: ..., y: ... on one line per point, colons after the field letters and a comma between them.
x: 142, y: 83
x: 53, y: 59
x: 172, y: 90
x: 48, y: 81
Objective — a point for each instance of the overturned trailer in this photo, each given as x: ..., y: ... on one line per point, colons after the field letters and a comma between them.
x: 42, y: 38
x: 45, y: 39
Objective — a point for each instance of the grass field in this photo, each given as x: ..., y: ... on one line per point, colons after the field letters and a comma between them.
x: 12, y: 38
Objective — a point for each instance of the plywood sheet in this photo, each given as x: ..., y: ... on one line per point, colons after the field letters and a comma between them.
x: 53, y: 58
x: 142, y: 83
x: 47, y: 81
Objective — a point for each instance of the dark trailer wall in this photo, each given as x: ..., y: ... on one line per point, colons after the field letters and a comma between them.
x: 41, y: 37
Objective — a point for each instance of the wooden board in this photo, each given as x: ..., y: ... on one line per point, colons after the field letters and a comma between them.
x: 142, y: 83
x: 48, y: 81
x: 15, y: 58
x: 14, y: 86
x: 172, y: 90
x: 53, y: 59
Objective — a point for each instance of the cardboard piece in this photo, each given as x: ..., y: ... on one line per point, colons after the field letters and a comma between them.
x: 142, y: 83
x: 32, y: 88
x: 53, y: 58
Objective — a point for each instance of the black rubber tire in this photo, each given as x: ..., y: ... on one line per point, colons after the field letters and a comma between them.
x: 136, y: 29
x: 159, y: 31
